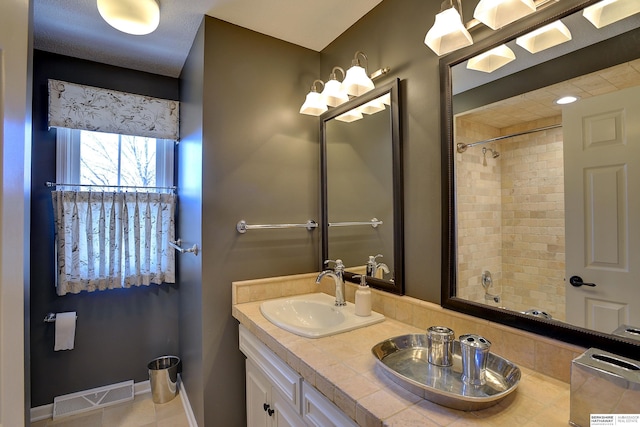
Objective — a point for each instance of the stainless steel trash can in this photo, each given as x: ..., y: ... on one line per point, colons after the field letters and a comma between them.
x: 163, y: 376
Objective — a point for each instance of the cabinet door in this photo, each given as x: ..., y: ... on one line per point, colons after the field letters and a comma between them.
x: 258, y: 394
x: 285, y: 415
x: 318, y: 411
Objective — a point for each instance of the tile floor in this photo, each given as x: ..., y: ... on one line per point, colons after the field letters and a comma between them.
x: 140, y: 412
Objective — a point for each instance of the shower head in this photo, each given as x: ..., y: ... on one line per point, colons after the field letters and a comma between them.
x: 495, y: 154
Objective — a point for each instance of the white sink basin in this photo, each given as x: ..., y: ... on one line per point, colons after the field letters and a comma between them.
x: 315, y: 315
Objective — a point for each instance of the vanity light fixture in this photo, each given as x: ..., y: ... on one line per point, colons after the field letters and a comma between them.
x: 448, y: 33
x: 333, y: 94
x: 137, y: 17
x: 609, y: 11
x: 566, y: 100
x: 350, y: 116
x: 313, y: 104
x: 357, y: 82
x: 491, y: 60
x: 495, y: 14
x: 545, y: 37
x: 372, y: 107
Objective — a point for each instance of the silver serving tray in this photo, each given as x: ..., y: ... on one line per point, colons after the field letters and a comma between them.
x: 404, y: 360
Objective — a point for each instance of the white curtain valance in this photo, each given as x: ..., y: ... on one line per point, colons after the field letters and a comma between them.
x: 90, y: 108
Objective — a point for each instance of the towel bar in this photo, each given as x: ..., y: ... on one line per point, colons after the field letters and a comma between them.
x: 177, y: 245
x: 51, y: 318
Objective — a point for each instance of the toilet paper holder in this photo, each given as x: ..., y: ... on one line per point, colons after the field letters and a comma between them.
x: 51, y: 318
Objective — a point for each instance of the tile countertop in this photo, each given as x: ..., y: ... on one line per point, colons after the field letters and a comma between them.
x: 344, y: 370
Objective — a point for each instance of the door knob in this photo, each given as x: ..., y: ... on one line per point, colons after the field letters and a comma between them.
x: 577, y: 281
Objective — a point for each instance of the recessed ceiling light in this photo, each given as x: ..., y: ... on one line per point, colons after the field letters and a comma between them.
x: 566, y: 100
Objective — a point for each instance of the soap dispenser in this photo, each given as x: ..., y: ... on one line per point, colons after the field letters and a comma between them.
x: 363, y: 298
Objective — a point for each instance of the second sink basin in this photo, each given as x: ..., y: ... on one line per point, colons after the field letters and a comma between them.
x: 315, y: 315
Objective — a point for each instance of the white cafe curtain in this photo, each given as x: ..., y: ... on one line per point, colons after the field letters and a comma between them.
x: 90, y: 108
x: 107, y: 240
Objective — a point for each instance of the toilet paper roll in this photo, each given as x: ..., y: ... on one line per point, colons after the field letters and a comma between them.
x: 65, y: 331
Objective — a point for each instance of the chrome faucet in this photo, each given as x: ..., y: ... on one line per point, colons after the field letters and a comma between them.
x: 373, y: 266
x: 337, y: 275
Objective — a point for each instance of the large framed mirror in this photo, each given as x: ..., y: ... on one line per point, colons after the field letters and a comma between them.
x: 541, y: 199
x: 361, y: 175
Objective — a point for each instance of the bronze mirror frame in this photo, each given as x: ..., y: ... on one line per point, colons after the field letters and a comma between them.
x: 397, y: 285
x: 549, y: 328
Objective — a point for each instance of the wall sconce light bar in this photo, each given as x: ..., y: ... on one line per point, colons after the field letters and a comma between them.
x: 379, y: 73
x: 314, y: 104
x: 333, y: 93
x: 491, y: 60
x: 356, y: 82
x: 448, y: 33
x: 350, y: 116
x: 545, y: 37
x: 609, y: 11
x: 372, y: 107
x: 540, y: 4
x: 495, y: 14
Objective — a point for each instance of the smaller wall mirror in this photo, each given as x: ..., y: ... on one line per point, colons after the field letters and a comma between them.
x: 361, y: 168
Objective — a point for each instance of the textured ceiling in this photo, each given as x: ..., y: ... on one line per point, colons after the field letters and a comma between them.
x: 75, y: 28
x: 540, y: 104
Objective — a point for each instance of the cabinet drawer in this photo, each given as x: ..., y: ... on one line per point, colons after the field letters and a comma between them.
x: 319, y: 411
x: 285, y: 379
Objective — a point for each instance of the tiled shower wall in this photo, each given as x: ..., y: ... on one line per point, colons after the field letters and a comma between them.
x: 516, y: 231
x: 478, y: 212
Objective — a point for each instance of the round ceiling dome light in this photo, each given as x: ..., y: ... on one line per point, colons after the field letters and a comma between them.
x: 137, y: 17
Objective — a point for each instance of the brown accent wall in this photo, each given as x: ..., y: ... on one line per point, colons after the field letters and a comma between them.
x: 246, y: 154
x: 250, y: 155
x: 392, y: 35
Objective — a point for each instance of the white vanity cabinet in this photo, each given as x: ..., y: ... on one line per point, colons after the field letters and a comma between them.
x: 318, y: 411
x: 273, y: 388
x: 277, y: 396
x: 266, y: 406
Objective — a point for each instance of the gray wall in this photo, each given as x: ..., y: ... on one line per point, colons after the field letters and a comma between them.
x: 256, y: 159
x: 190, y: 213
x: 245, y: 153
x: 360, y: 187
x: 392, y: 35
x: 118, y: 331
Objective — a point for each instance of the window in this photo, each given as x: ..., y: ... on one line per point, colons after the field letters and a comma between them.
x: 111, y: 232
x: 98, y: 158
x: 113, y: 229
